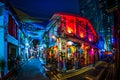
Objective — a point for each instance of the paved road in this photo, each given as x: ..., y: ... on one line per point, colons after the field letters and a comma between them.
x: 32, y: 70
x: 91, y: 74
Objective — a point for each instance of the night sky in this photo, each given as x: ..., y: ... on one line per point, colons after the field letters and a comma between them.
x: 44, y: 9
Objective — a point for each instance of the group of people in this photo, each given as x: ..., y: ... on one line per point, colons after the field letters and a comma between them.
x: 62, y: 61
x: 74, y: 60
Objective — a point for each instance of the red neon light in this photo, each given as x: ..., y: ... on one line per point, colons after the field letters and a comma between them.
x: 70, y: 24
x: 69, y: 30
x: 81, y: 35
x: 77, y: 25
x: 81, y: 32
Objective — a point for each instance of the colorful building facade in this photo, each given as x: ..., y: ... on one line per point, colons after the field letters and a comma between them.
x: 10, y: 33
x: 72, y: 40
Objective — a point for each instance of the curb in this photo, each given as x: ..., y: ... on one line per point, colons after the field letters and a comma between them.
x: 76, y: 72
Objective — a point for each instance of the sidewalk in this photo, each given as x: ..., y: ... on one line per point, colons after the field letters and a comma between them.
x: 11, y: 75
x: 71, y: 73
x: 32, y: 70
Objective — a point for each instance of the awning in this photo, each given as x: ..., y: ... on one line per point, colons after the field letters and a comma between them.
x: 107, y: 52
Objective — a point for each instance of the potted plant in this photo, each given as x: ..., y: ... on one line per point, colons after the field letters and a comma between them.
x: 2, y: 67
